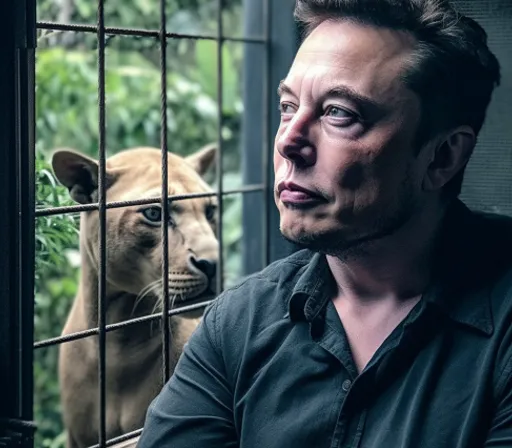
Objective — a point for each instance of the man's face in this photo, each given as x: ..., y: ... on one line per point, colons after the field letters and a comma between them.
x: 346, y: 168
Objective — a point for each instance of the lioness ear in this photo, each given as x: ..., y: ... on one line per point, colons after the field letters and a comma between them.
x: 78, y: 173
x: 202, y: 160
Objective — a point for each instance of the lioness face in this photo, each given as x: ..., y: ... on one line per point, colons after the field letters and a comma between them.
x: 134, y: 233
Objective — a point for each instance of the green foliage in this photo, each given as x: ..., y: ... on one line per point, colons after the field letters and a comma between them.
x: 55, y: 233
x: 67, y: 116
x: 56, y: 282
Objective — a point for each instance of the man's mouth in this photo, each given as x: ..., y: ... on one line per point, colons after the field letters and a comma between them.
x: 295, y: 195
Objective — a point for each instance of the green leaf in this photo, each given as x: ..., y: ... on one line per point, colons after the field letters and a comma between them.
x: 206, y: 60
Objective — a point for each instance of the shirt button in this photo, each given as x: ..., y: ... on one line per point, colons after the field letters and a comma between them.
x: 346, y: 385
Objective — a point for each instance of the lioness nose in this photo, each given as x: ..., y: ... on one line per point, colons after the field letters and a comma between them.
x: 208, y: 267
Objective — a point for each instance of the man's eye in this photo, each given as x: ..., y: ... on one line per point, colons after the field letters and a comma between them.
x: 338, y: 112
x: 285, y: 108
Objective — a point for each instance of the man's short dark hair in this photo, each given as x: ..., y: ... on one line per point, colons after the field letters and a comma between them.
x: 453, y: 71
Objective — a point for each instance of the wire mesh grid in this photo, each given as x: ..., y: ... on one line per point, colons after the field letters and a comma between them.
x: 102, y: 205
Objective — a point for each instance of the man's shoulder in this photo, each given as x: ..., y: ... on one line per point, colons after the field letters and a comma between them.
x: 494, y: 220
x: 493, y: 236
x: 283, y: 273
x: 496, y: 240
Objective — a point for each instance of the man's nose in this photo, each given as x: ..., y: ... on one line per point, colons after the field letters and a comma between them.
x: 295, y: 145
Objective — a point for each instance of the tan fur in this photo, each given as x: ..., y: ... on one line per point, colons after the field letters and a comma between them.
x: 133, y: 353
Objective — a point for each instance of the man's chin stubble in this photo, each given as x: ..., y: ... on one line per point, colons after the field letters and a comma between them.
x: 345, y: 248
x: 327, y: 245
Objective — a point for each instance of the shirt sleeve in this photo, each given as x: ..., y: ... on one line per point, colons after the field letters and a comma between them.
x: 500, y: 434
x: 195, y: 407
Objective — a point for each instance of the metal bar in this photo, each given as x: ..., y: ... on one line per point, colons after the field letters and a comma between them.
x: 17, y: 224
x: 165, y: 194
x: 111, y: 327
x: 282, y: 47
x: 220, y: 158
x: 102, y: 240
x: 253, y: 140
x: 26, y: 220
x: 121, y: 31
x: 25, y: 164
x: 16, y: 433
x: 266, y: 154
x: 120, y: 439
x: 50, y: 211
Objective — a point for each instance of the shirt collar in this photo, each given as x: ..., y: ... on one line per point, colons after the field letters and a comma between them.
x: 458, y: 289
x: 312, y: 290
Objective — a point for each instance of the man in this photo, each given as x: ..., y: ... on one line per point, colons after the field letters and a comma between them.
x: 393, y: 327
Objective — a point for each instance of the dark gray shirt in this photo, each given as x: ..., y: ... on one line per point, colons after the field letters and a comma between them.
x: 270, y: 365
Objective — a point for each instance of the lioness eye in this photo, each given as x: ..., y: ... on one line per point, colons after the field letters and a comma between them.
x: 210, y: 212
x: 152, y: 214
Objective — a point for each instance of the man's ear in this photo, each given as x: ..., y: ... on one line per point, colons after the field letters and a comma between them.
x: 79, y: 174
x: 203, y: 159
x: 450, y: 155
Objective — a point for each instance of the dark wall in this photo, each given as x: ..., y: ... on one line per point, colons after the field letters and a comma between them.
x: 488, y: 181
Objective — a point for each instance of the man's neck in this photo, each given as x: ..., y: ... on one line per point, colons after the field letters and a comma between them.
x: 396, y: 268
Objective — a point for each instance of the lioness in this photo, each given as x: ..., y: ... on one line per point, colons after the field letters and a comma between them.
x: 133, y: 282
